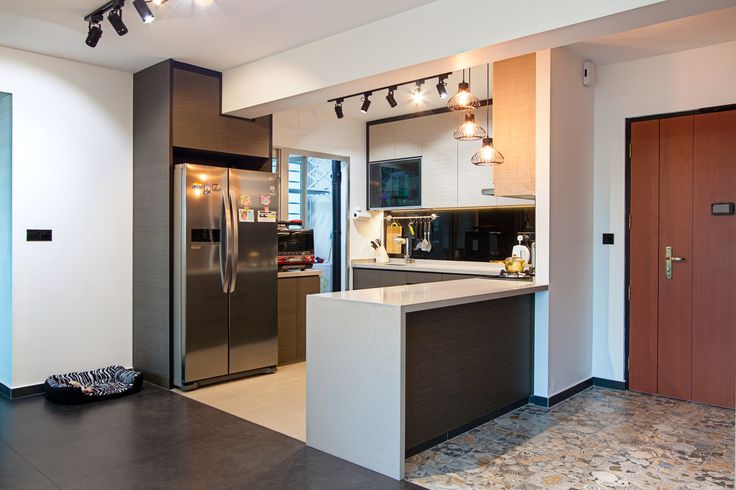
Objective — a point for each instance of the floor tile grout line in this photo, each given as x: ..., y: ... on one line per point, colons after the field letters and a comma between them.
x: 31, y: 464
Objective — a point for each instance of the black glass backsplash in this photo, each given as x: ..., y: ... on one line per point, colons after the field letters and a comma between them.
x: 472, y: 235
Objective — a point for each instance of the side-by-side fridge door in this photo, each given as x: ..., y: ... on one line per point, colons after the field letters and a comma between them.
x: 253, y: 308
x: 201, y: 272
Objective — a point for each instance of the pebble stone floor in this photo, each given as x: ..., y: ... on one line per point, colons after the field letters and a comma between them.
x: 600, y: 438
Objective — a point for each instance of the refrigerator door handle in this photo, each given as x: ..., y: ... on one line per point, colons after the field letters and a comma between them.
x: 225, y: 239
x: 234, y: 253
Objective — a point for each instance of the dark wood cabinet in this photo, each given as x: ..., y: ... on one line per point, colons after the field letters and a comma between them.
x: 374, y: 278
x: 198, y: 124
x: 293, y: 293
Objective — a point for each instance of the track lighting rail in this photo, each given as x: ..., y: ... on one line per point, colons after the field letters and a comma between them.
x: 393, y: 86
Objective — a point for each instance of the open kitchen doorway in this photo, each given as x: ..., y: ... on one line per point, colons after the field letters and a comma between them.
x: 314, y: 189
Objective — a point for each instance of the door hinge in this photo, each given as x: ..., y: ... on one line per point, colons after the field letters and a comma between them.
x: 628, y: 293
x: 628, y: 364
x: 629, y: 150
x: 629, y: 221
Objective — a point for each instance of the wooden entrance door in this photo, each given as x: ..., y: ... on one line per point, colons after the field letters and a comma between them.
x: 682, y: 312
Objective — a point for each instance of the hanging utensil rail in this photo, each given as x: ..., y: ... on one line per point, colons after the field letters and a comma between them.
x: 431, y: 217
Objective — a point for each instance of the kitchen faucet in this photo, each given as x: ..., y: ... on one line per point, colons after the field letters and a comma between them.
x: 406, y: 241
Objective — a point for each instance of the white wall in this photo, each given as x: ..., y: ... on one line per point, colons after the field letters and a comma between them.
x: 72, y: 172
x: 318, y: 130
x: 6, y: 319
x: 571, y: 224
x: 674, y: 82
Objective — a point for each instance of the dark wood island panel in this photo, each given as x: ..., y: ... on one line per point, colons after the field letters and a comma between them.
x: 465, y: 365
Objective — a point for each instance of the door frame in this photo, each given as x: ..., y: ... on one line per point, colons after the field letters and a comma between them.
x: 627, y: 215
x: 282, y: 156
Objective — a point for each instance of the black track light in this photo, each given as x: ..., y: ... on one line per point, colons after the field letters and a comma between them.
x: 116, y: 19
x: 338, y: 108
x: 442, y: 87
x: 390, y: 97
x: 142, y: 7
x: 366, y: 102
x: 93, y: 34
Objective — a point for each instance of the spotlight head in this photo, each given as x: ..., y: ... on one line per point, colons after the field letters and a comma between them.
x: 416, y: 94
x: 442, y: 87
x: 338, y: 108
x: 93, y: 34
x: 142, y: 7
x: 116, y: 19
x: 366, y: 102
x: 390, y: 97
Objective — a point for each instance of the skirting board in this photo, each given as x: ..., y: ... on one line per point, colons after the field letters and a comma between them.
x: 573, y: 390
x: 12, y: 393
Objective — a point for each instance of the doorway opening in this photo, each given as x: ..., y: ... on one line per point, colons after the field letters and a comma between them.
x: 314, y: 188
x: 680, y: 265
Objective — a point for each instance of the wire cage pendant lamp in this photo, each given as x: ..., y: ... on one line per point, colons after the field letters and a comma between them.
x: 488, y: 154
x: 463, y: 100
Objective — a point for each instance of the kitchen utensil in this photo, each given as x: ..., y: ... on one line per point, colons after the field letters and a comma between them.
x: 514, y: 264
x: 373, y: 244
x: 393, y: 231
x: 382, y: 256
x: 429, y: 237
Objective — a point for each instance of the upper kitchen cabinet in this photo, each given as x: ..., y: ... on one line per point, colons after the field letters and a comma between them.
x: 398, y: 139
x: 197, y: 123
x: 514, y: 120
x: 439, y: 160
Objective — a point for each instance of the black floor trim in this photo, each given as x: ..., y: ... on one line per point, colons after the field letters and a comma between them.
x: 609, y: 383
x: 12, y: 393
x: 563, y: 395
x: 465, y: 428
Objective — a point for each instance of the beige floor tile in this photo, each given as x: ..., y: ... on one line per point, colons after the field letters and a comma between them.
x: 276, y: 401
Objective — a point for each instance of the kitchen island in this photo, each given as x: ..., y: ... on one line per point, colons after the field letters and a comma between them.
x: 394, y: 370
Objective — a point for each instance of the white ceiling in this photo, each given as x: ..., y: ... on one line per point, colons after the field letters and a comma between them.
x: 668, y: 37
x: 217, y: 34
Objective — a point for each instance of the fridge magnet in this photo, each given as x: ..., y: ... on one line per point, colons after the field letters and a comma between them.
x: 197, y: 186
x: 245, y: 215
x: 216, y: 187
x: 265, y: 200
x: 272, y: 190
x: 207, y: 190
x: 267, y: 216
x: 245, y: 200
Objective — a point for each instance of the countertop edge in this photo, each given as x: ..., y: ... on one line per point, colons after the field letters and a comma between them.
x: 426, y: 268
x: 444, y: 303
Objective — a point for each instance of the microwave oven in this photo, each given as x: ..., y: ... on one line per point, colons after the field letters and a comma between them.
x: 395, y: 183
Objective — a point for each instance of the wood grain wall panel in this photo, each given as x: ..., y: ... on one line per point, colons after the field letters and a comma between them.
x: 514, y: 123
x: 675, y: 230
x: 644, y: 256
x: 306, y: 286
x: 151, y: 222
x: 245, y: 137
x: 714, y: 261
x: 196, y: 111
x: 465, y: 362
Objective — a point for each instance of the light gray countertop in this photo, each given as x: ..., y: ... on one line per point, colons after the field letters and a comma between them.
x: 304, y: 273
x: 416, y: 297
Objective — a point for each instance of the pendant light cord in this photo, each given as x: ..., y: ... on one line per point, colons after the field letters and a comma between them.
x: 488, y: 98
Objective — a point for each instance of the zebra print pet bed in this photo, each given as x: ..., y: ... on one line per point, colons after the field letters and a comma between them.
x: 90, y: 386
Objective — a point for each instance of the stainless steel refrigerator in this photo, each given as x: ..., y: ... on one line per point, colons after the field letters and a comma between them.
x: 225, y: 273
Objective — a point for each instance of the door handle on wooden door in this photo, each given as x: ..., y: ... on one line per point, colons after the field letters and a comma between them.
x: 668, y: 260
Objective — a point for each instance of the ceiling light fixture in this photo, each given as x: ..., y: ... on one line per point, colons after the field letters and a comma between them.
x: 442, y: 86
x: 469, y: 130
x: 391, y: 98
x: 338, y: 108
x: 116, y: 18
x: 142, y: 7
x: 463, y: 100
x: 94, y: 33
x: 488, y: 154
x: 366, y: 102
x: 158, y: 2
x: 417, y: 96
